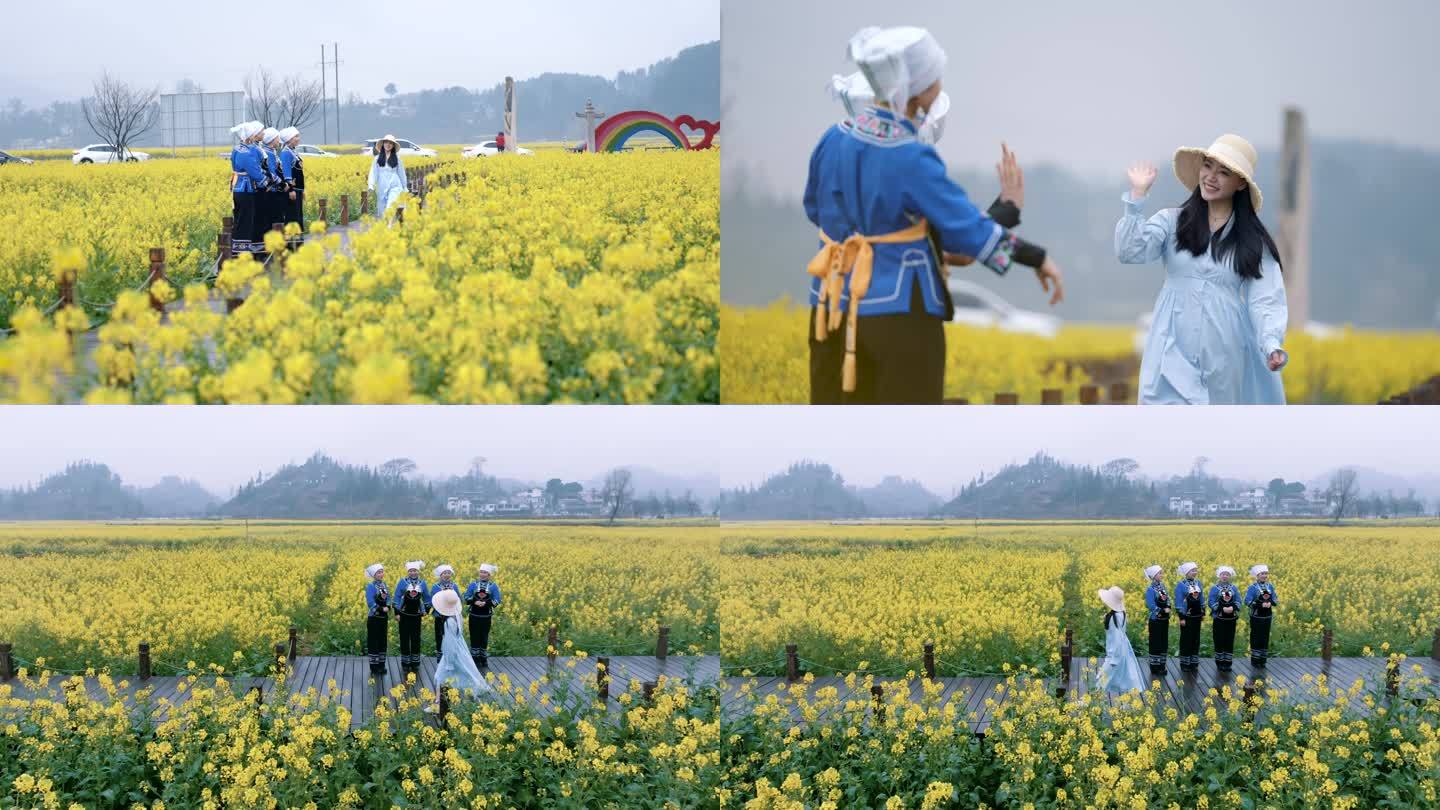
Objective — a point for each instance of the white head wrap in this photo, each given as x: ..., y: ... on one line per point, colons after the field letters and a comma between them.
x: 440, y: 569
x: 488, y: 568
x: 371, y: 569
x: 1258, y: 569
x: 855, y: 93
x: 414, y: 565
x: 899, y: 63
x: 1186, y: 568
x: 269, y: 135
x: 246, y: 130
x: 1152, y: 571
x: 287, y: 133
x: 1224, y: 569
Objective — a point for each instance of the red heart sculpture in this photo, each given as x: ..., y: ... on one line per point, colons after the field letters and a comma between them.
x: 710, y: 128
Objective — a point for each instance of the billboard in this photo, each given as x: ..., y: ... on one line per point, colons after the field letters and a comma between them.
x: 200, y: 119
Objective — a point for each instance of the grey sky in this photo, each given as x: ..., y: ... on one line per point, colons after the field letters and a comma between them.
x: 222, y: 447
x: 1091, y: 86
x: 942, y: 446
x: 52, y: 50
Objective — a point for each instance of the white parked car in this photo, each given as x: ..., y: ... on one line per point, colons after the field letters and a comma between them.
x: 488, y: 148
x: 407, y: 148
x: 978, y: 306
x: 305, y: 150
x: 104, y: 153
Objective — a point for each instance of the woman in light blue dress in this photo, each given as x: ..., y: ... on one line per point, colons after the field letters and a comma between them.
x: 1121, y: 671
x: 456, y: 670
x: 1219, y: 322
x: 387, y: 175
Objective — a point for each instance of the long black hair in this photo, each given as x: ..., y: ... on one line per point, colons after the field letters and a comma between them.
x: 1246, y: 239
x: 394, y: 161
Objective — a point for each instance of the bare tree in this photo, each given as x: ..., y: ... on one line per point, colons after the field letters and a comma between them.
x: 301, y: 102
x: 1342, y: 492
x: 397, y: 468
x: 1120, y: 468
x: 264, y: 96
x: 617, y: 491
x: 120, y: 114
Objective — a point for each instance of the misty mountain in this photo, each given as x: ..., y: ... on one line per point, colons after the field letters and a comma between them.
x: 688, y: 83
x: 898, y: 497
x: 325, y: 488
x: 83, y: 491
x: 805, y: 491
x: 1359, y: 190
x: 1046, y: 487
x: 176, y: 497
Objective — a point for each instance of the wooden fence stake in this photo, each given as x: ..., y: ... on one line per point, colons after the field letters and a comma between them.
x: 7, y: 661
x: 364, y: 202
x: 792, y: 663
x: 280, y: 659
x: 444, y: 704
x: 1327, y: 643
x: 602, y: 677
x: 552, y: 645
x: 1392, y: 678
x: 344, y: 210
x: 1435, y: 645
x: 1120, y: 393
x: 157, y: 273
x: 1052, y: 396
x: 877, y: 694
x: 662, y: 644
x: 649, y: 693
x: 1067, y: 649
x: 1089, y: 395
x: 1007, y: 399
x: 323, y: 204
x: 294, y: 647
x: 143, y: 672
x: 930, y: 660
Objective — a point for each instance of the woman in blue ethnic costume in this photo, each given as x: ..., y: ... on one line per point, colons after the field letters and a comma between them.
x: 1224, y: 616
x: 1190, y: 602
x: 411, y: 603
x: 444, y: 581
x: 483, y: 596
x: 246, y: 181
x: 293, y: 167
x: 1260, y: 597
x: 889, y: 217
x: 1157, y: 601
x: 377, y: 621
x: 1219, y: 321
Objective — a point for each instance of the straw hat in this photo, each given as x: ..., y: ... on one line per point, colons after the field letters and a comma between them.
x: 1114, y: 598
x: 391, y: 139
x: 446, y: 603
x: 1231, y: 151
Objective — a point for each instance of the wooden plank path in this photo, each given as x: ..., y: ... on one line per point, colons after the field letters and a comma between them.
x: 346, y: 679
x: 1185, y: 692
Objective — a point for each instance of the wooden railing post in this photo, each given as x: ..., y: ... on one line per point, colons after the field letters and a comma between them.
x: 1007, y: 399
x: 1392, y: 678
x: 344, y: 210
x: 662, y: 644
x: 877, y: 694
x: 1067, y: 650
x: 792, y: 663
x: 1089, y: 395
x: 602, y: 676
x: 930, y: 660
x: 1435, y: 645
x: 157, y: 273
x: 444, y: 704
x: 1327, y: 643
x: 364, y: 202
x: 294, y: 648
x: 552, y: 645
x: 649, y: 693
x: 1052, y: 396
x: 1120, y: 393
x: 7, y: 661
x: 280, y: 659
x: 323, y: 205
x: 143, y: 670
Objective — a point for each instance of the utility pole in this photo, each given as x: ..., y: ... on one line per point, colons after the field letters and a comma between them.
x: 324, y: 117
x: 335, y: 51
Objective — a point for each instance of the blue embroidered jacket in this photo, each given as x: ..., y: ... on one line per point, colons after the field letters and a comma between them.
x: 871, y: 176
x: 403, y: 585
x: 491, y: 589
x: 441, y: 586
x: 287, y: 165
x: 376, y: 595
x: 1216, y: 591
x: 1152, y: 599
x: 1252, y: 595
x: 1181, y: 590
x: 245, y: 163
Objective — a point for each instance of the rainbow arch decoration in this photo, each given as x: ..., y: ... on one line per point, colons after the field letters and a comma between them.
x: 615, y: 130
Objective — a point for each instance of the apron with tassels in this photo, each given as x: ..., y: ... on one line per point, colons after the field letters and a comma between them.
x: 853, y: 258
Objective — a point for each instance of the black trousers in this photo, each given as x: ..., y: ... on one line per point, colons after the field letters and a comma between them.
x: 1223, y: 632
x: 1260, y: 639
x: 1159, y: 645
x: 243, y: 228
x: 899, y: 359
x: 377, y: 641
x: 439, y: 634
x: 295, y: 212
x: 410, y: 641
x: 480, y: 639
x: 1190, y: 642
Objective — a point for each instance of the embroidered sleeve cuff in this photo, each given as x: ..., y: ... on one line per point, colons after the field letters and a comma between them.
x: 1003, y: 255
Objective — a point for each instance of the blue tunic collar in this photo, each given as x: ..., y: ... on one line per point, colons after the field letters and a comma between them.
x: 880, y: 126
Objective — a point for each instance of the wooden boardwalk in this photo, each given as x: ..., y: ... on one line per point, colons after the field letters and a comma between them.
x: 1185, y: 692
x: 346, y: 679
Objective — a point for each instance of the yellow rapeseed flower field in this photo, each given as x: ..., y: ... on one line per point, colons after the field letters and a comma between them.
x: 1001, y: 593
x: 560, y: 277
x: 86, y: 594
x: 766, y: 360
